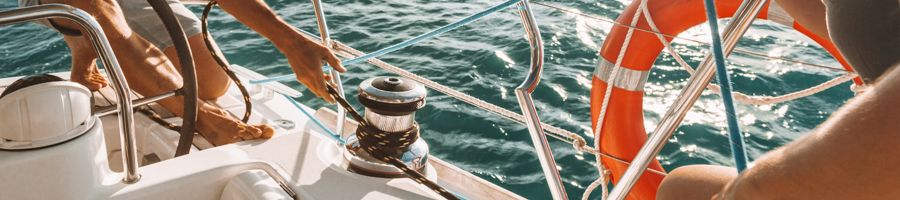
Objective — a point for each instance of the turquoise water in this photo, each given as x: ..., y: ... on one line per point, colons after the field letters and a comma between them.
x: 489, y: 57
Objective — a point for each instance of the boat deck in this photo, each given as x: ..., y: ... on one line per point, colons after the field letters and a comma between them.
x: 313, y: 162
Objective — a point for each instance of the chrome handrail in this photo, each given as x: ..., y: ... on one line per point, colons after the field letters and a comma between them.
x: 523, y: 91
x: 741, y: 21
x: 94, y: 32
x: 325, y: 35
x: 523, y: 94
x: 276, y: 173
x: 112, y: 109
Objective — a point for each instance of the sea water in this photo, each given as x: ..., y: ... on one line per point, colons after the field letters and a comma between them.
x: 490, y: 57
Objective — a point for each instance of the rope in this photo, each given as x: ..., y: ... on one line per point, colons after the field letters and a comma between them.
x: 153, y: 115
x: 386, y: 145
x: 328, y: 132
x: 734, y: 129
x: 577, y: 142
x: 248, y: 105
x: 598, y: 130
x: 344, y: 50
x: 741, y: 97
x: 739, y: 50
x: 409, y: 42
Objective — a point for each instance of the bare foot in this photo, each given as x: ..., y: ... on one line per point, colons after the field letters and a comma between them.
x: 220, y: 128
x: 92, y: 79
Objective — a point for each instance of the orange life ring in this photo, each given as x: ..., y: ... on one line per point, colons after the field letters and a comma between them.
x: 623, y: 128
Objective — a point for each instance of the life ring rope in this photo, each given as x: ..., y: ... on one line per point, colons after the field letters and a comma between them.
x: 776, y: 16
x: 640, y: 77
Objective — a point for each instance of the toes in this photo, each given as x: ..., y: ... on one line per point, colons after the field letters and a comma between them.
x: 99, y: 80
x: 93, y: 86
x: 267, y: 131
x: 92, y: 81
x: 249, y: 132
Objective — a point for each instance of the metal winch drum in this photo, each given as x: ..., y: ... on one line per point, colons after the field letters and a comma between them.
x: 390, y: 106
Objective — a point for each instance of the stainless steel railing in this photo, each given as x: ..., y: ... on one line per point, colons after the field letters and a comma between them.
x: 94, y: 32
x: 523, y: 94
x: 742, y: 20
x: 325, y: 35
x: 523, y: 91
x: 277, y: 174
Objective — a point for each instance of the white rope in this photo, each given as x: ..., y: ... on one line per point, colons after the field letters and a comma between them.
x: 602, y: 180
x: 578, y: 142
x: 737, y: 50
x: 741, y: 97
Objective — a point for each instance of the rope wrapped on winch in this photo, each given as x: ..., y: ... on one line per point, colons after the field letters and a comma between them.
x: 384, y: 146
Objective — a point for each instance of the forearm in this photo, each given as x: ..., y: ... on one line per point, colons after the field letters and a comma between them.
x: 809, y: 13
x: 305, y: 56
x: 853, y: 155
x: 256, y: 15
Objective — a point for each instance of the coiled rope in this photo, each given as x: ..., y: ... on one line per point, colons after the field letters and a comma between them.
x: 385, y: 146
x: 576, y: 140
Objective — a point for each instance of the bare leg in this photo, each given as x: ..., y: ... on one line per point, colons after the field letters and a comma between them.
x: 212, y: 81
x: 695, y: 182
x: 149, y: 73
x: 84, y: 64
x: 867, y: 32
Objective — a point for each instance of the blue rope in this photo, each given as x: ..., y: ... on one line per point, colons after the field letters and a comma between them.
x: 734, y: 130
x: 330, y: 133
x: 406, y: 43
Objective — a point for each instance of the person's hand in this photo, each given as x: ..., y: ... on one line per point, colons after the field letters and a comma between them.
x: 305, y: 58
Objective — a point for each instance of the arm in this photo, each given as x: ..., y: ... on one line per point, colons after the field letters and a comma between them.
x: 853, y: 155
x: 304, y: 56
x: 809, y: 13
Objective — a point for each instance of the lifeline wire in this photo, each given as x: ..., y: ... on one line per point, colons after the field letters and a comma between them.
x: 406, y: 43
x: 316, y: 121
x: 734, y: 130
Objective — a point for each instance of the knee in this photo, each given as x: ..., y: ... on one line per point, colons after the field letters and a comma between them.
x: 695, y: 182
x: 210, y: 94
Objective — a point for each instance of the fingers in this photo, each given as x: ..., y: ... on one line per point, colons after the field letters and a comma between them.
x: 316, y: 85
x: 323, y: 92
x: 334, y: 62
x: 307, y: 66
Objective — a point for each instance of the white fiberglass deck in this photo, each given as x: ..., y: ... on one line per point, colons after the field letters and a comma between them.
x: 311, y: 162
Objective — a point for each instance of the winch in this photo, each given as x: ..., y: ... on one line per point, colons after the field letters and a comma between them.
x: 390, y: 107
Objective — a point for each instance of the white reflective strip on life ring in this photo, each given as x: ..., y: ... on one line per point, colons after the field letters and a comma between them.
x: 627, y: 79
x: 777, y: 14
